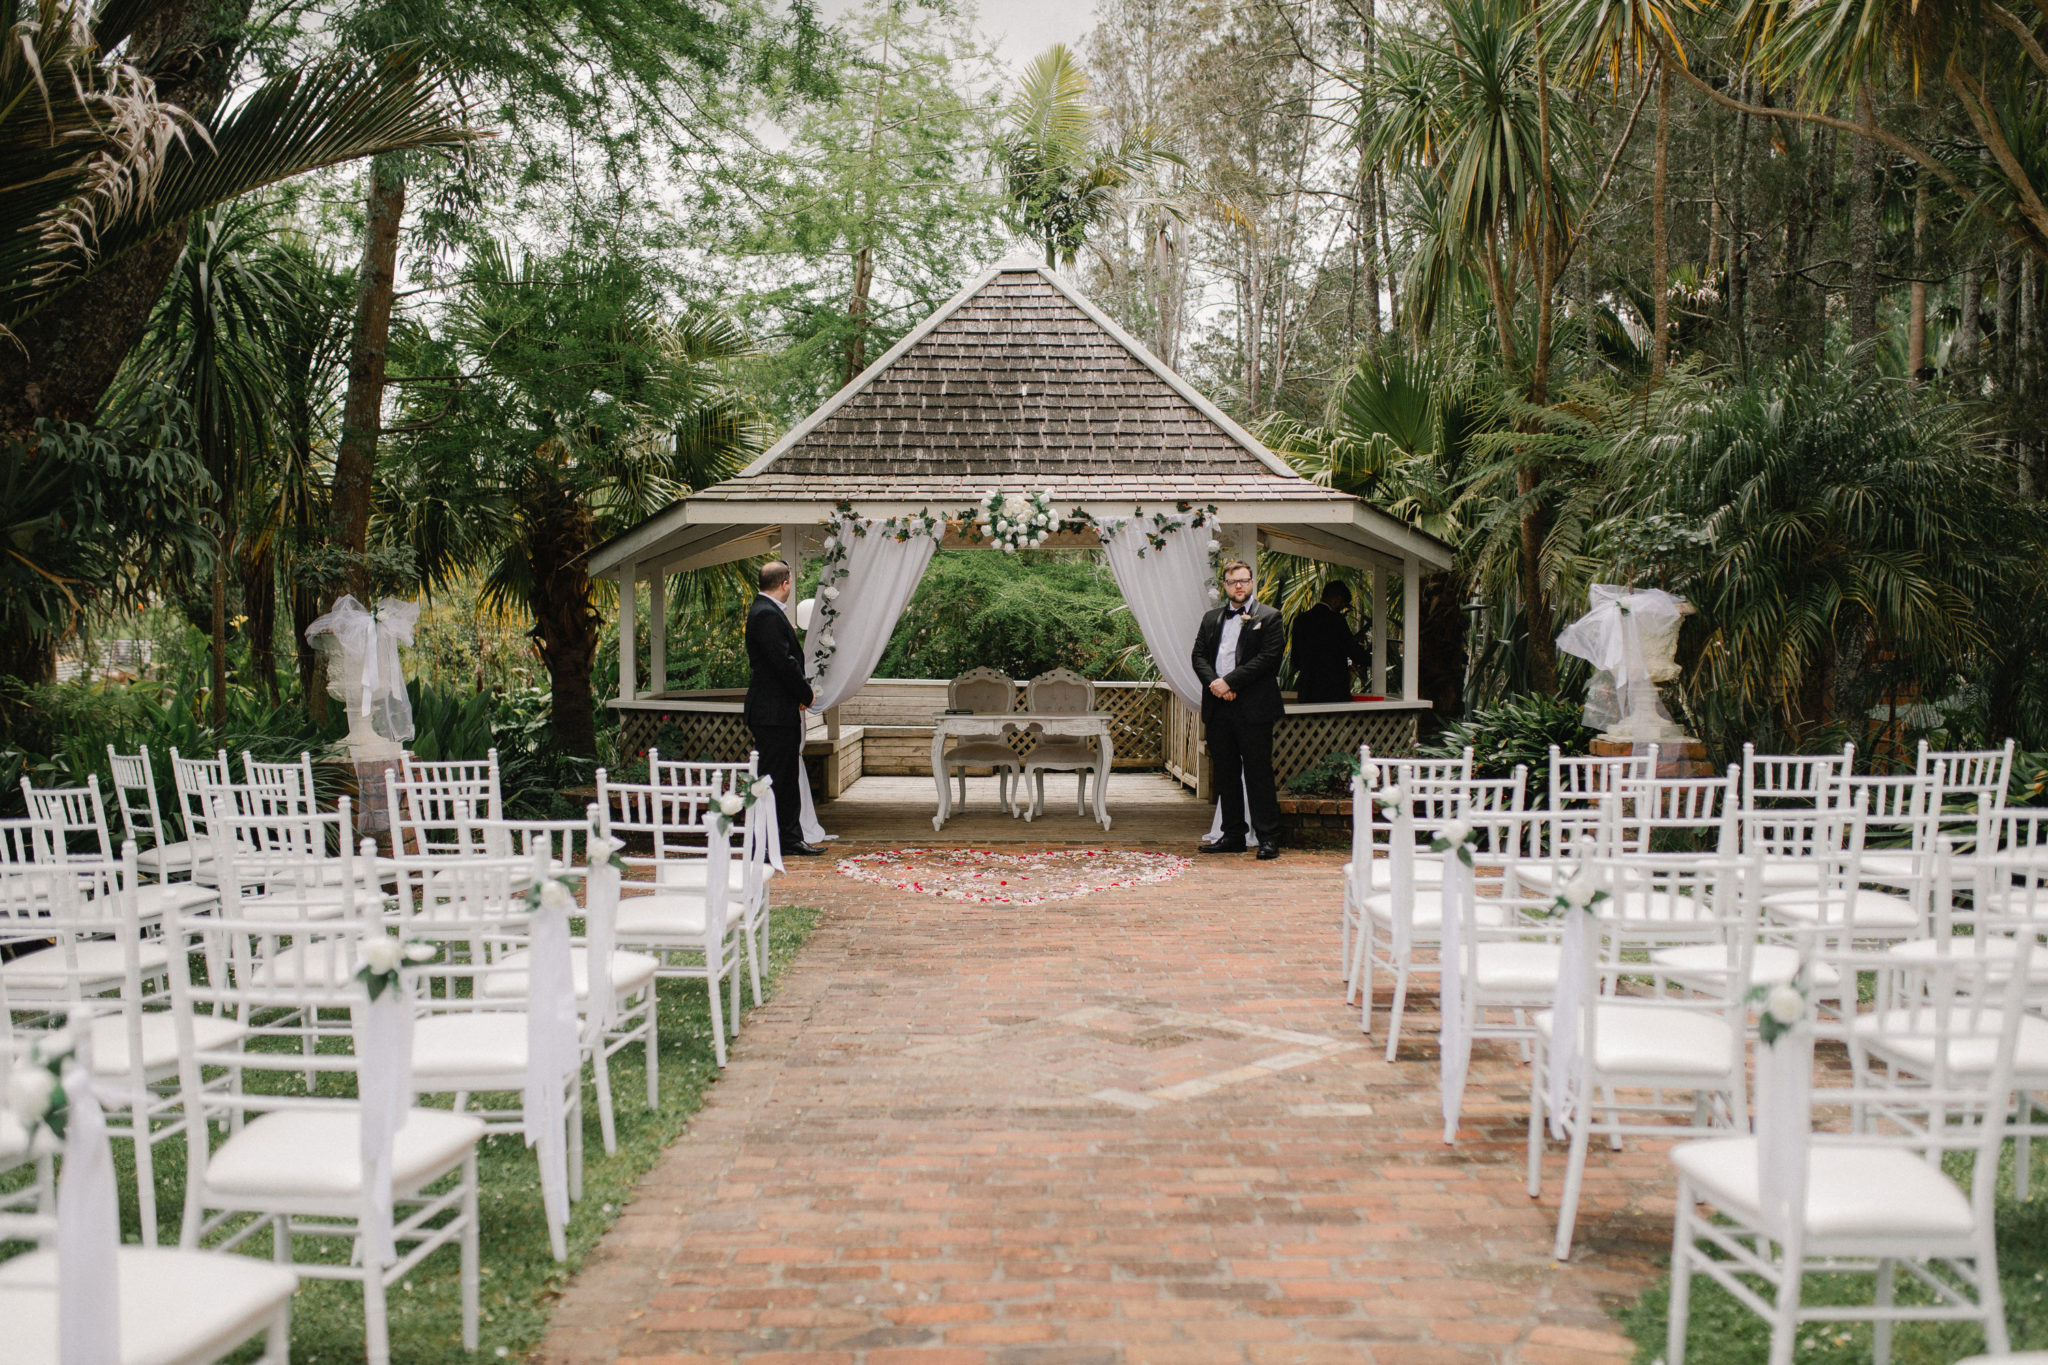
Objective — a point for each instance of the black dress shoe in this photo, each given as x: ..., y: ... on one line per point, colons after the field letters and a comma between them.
x: 1223, y: 846
x: 799, y: 849
x: 1268, y: 852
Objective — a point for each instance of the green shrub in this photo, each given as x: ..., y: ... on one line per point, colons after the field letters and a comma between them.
x: 1329, y: 777
x: 1517, y: 730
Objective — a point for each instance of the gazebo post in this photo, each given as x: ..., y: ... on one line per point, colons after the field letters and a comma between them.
x: 1411, y: 628
x: 1241, y: 541
x: 1379, y: 632
x: 789, y: 547
x: 629, y: 614
x: 657, y: 634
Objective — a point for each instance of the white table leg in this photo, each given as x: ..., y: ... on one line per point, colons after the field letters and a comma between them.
x: 1102, y: 779
x: 939, y: 775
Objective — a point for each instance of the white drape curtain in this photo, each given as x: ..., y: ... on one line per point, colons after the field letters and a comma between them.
x: 1167, y: 589
x: 881, y: 574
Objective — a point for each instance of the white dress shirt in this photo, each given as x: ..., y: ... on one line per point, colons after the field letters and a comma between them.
x: 1226, y: 651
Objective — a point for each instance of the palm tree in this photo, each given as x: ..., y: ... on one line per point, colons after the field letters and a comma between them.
x: 1600, y: 38
x: 1061, y: 177
x: 94, y: 164
x: 579, y: 409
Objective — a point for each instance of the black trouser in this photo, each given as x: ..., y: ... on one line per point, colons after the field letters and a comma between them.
x: 781, y: 748
x: 1241, y: 756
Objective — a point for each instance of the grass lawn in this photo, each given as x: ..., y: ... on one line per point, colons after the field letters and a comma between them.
x: 1724, y: 1332
x: 520, y: 1277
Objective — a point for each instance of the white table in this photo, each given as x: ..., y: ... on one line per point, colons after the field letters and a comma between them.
x: 1094, y: 724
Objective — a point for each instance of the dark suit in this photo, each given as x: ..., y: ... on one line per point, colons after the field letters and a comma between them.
x: 776, y: 696
x: 1240, y: 733
x: 1325, y: 651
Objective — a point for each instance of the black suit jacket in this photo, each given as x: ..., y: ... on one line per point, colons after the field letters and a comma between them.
x: 778, y: 690
x: 1325, y: 651
x: 1256, y: 679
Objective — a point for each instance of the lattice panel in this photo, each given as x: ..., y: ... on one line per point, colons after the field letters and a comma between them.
x: 1301, y: 742
x: 686, y: 736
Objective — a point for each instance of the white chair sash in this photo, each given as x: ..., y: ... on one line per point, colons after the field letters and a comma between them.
x: 553, y: 1051
x: 383, y: 1040
x: 1454, y: 1039
x: 1567, y: 1007
x: 88, y: 1232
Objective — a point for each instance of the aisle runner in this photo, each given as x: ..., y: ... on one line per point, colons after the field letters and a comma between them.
x: 991, y: 878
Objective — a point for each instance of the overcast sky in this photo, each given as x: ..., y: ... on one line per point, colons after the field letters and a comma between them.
x: 1019, y: 29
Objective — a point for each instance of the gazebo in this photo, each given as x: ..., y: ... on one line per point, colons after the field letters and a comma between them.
x: 1018, y: 386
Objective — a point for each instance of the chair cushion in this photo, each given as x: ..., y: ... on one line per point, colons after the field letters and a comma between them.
x: 692, y: 874
x: 1770, y: 964
x: 317, y: 1153
x: 1792, y: 874
x: 1970, y: 1054
x: 159, y: 1039
x: 1841, y: 1184
x: 2001, y: 951
x: 1651, y: 1040
x: 981, y: 751
x: 1516, y: 966
x: 1892, y: 866
x: 1429, y: 909
x: 176, y: 1307
x: 470, y: 1044
x: 1063, y: 753
x: 668, y: 915
x: 630, y: 974
x: 1867, y: 909
x: 165, y: 898
x: 98, y: 959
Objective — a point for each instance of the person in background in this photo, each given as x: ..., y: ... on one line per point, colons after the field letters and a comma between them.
x: 777, y: 694
x: 1325, y: 650
x: 1237, y: 657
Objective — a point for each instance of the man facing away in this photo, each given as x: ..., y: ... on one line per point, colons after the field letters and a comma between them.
x: 1237, y: 657
x: 1325, y: 650
x: 776, y: 697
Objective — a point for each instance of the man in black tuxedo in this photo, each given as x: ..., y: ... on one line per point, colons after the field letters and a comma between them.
x: 1237, y: 657
x: 776, y: 698
x: 1325, y: 650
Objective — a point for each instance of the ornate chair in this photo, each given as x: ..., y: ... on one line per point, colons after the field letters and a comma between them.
x: 1062, y: 692
x: 985, y: 692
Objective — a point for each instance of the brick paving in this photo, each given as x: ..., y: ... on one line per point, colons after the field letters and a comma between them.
x: 1140, y: 1126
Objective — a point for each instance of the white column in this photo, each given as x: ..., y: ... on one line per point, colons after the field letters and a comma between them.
x: 629, y: 621
x: 657, y: 639
x: 1411, y: 629
x: 1241, y: 541
x: 790, y: 549
x: 1378, y: 681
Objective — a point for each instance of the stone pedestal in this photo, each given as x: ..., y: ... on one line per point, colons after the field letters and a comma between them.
x: 1678, y: 758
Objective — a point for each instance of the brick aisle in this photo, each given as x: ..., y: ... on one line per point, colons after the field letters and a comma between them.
x: 1140, y: 1126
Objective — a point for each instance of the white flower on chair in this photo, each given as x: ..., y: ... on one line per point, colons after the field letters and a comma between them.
x: 555, y: 896
x: 731, y: 804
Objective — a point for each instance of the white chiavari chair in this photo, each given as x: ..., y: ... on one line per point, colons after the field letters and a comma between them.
x: 597, y: 971
x: 1577, y: 785
x: 479, y: 779
x: 28, y: 1203
x: 1879, y: 1198
x: 75, y: 821
x: 289, y: 784
x: 159, y: 1305
x: 142, y: 819
x: 1985, y: 774
x: 195, y: 780
x: 1409, y: 913
x: 1792, y: 779
x: 690, y: 930
x: 1641, y: 1036
x: 294, y: 1161
x: 749, y: 878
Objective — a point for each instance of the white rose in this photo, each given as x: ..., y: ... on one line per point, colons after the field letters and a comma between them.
x: 1391, y: 796
x: 420, y: 952
x: 1785, y: 1004
x: 603, y: 846
x: 555, y: 896
x: 382, y: 953
x: 1009, y: 547
x: 1215, y: 594
x: 829, y: 594
x: 760, y: 787
x: 831, y: 544
x: 732, y: 803
x: 825, y: 641
x: 1214, y: 546
x: 29, y: 1088
x: 1455, y: 832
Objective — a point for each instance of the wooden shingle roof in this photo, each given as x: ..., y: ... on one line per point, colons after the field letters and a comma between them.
x: 1020, y: 384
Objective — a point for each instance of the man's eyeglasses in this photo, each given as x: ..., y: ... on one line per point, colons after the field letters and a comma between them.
x: 1235, y: 582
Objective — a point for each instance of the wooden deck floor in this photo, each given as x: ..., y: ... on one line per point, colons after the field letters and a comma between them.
x: 1144, y: 808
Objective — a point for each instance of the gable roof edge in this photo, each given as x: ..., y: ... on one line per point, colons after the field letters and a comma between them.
x: 1251, y: 444
x: 871, y: 373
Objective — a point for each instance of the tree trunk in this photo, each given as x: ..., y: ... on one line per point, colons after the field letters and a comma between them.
x: 1535, y: 600
x: 1738, y: 240
x: 312, y: 663
x: 565, y: 626
x: 61, y: 359
x: 1660, y: 239
x: 259, y: 604
x: 217, y: 704
x: 1962, y: 349
x: 1916, y: 317
x: 1863, y: 230
x: 857, y: 312
x: 362, y: 407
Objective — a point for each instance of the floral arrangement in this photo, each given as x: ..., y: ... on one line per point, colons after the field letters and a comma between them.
x: 1784, y: 1005
x: 35, y: 1090
x: 1455, y: 836
x: 731, y: 805
x: 1389, y: 799
x: 1016, y: 522
x: 384, y: 954
x: 846, y: 527
x: 1580, y: 894
x: 988, y: 877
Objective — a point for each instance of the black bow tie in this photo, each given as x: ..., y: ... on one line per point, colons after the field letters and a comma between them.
x: 1229, y: 612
